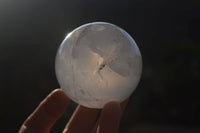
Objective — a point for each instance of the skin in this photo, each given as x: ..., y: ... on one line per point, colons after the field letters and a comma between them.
x: 83, y: 120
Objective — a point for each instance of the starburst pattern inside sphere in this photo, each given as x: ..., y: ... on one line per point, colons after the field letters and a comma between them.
x: 97, y: 63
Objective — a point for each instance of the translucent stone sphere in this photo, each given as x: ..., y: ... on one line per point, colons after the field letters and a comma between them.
x: 97, y: 63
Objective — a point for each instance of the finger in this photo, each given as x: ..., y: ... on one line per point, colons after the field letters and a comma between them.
x: 82, y: 121
x: 46, y: 114
x: 123, y: 106
x: 110, y: 118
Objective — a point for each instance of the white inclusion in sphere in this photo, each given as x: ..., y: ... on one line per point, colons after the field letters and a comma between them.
x: 97, y: 63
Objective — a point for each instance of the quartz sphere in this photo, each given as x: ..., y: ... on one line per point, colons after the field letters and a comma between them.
x: 97, y: 63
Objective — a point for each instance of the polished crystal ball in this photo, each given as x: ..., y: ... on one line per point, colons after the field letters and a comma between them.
x: 97, y: 63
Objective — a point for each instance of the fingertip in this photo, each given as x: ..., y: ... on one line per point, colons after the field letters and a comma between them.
x: 111, y: 109
x: 110, y: 118
x: 58, y: 95
x: 123, y: 105
x: 109, y: 105
x: 112, y: 106
x: 58, y: 92
x: 84, y: 118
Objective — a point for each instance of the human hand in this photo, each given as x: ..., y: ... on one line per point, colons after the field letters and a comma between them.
x: 83, y: 120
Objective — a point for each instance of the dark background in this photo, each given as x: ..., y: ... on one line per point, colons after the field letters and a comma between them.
x: 166, y: 31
